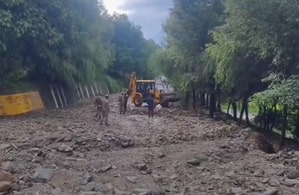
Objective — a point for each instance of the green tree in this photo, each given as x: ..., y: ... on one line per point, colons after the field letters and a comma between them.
x: 260, y: 39
x: 188, y: 31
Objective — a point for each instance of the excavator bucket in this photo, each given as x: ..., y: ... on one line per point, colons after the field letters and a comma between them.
x: 169, y: 97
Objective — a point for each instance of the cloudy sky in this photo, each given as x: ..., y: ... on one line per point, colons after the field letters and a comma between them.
x: 149, y: 14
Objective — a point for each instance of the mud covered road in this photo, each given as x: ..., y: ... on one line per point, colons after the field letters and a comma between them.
x: 176, y: 153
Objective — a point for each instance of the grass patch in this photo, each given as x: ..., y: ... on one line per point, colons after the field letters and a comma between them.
x: 252, y: 107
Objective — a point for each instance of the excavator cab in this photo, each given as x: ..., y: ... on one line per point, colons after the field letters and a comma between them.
x: 139, y: 89
x: 143, y: 88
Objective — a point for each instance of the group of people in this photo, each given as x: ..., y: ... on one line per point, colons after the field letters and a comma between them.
x: 102, y: 105
x: 123, y: 102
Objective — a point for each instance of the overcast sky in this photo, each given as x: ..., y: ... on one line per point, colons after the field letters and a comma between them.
x: 149, y: 14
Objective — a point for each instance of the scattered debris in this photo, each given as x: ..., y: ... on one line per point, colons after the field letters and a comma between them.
x: 178, y: 152
x: 42, y: 175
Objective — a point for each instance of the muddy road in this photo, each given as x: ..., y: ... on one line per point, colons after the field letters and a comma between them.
x: 176, y: 153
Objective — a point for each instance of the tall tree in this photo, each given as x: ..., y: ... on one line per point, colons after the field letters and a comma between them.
x: 131, y: 50
x: 188, y: 31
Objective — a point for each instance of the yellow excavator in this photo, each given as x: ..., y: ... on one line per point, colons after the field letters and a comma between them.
x: 139, y: 88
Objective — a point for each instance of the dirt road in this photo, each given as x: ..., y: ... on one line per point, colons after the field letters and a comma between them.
x: 68, y: 152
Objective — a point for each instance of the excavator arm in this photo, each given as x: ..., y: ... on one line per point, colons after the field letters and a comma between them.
x: 133, y: 83
x: 133, y: 86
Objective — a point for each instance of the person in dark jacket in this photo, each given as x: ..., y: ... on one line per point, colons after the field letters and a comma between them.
x: 151, y: 105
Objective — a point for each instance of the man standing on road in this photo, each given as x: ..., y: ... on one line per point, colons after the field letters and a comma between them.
x: 105, y: 110
x: 98, y: 105
x: 126, y: 97
x: 151, y: 105
x: 121, y: 103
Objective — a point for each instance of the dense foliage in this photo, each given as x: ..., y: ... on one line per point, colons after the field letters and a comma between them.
x: 237, y: 51
x: 68, y: 41
x: 217, y: 51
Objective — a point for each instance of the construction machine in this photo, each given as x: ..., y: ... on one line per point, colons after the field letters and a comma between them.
x: 138, y: 90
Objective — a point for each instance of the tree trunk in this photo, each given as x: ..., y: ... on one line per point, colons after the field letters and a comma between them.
x: 246, y: 110
x: 274, y: 117
x: 265, y: 111
x: 207, y: 98
x: 228, y: 107
x: 297, y: 125
x: 218, y: 100
x: 234, y: 106
x: 202, y: 98
x: 193, y: 98
x: 241, y: 112
x: 285, y: 125
x: 212, y: 105
x: 212, y: 102
x: 187, y: 100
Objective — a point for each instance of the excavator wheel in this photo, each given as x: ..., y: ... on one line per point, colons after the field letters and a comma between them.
x: 165, y: 104
x: 138, y: 100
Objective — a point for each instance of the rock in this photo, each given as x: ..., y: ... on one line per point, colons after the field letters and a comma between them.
x: 91, y: 193
x: 259, y: 173
x: 60, y: 128
x: 5, y: 176
x: 236, y: 191
x: 4, y: 146
x: 5, y: 186
x: 109, y: 186
x: 9, y: 167
x: 17, y: 193
x: 292, y: 174
x: 16, y: 187
x: 90, y: 187
x: 57, y: 191
x: 37, y: 152
x: 68, y: 138
x: 104, y: 169
x: 174, y: 176
x: 42, y: 175
x: 290, y: 153
x: 210, y: 187
x: 280, y: 173
x: 47, y: 124
x: 266, y: 180
x: 230, y: 174
x: 79, y: 154
x: 172, y: 189
x: 161, y: 155
x: 194, y: 162
x: 147, y: 172
x: 86, y: 178
x: 291, y: 182
x: 132, y: 179
x: 141, y: 166
x: 126, y: 144
x: 65, y: 148
x: 119, y: 192
x: 270, y: 191
x: 274, y: 182
x: 148, y: 192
